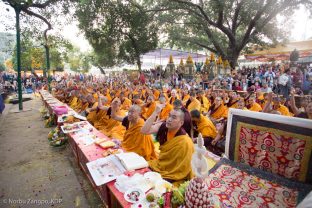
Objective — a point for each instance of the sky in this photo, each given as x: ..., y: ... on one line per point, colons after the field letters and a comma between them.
x: 301, y: 29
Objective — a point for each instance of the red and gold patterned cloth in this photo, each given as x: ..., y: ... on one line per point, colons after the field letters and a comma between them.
x: 280, y: 152
x: 236, y: 185
x: 280, y: 149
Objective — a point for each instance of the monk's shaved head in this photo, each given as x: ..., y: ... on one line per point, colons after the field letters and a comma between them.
x: 162, y: 99
x: 180, y: 114
x: 175, y: 120
x: 177, y: 104
x: 195, y: 113
x: 134, y: 113
x: 137, y: 108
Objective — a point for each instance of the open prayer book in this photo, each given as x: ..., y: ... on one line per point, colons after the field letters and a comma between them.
x: 132, y: 161
x: 104, y: 170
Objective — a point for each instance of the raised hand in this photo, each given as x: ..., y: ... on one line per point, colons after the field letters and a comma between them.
x: 159, y: 107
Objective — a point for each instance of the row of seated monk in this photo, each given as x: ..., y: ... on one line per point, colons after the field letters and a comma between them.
x: 174, y: 118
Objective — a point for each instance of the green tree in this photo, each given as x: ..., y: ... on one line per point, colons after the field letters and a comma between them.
x: 57, y: 60
x: 225, y: 27
x: 2, y: 67
x: 26, y: 56
x: 79, y: 62
x: 118, y: 31
x: 33, y: 54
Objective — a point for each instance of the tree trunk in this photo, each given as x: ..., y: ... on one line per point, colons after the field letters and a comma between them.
x: 102, y: 70
x: 232, y: 58
x: 232, y: 55
x: 139, y: 63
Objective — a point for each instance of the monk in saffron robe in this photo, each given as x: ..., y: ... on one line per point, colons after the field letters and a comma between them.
x: 279, y: 107
x: 241, y: 105
x: 84, y: 104
x: 74, y: 100
x: 203, y: 125
x: 149, y: 107
x: 207, y: 129
x: 185, y: 96
x: 136, y: 100
x: 204, y: 102
x: 173, y: 96
x: 192, y: 103
x: 233, y: 100
x: 113, y: 128
x: 163, y: 115
x: 91, y: 110
x: 187, y: 125
x: 79, y: 103
x: 253, y: 106
x: 125, y: 102
x: 218, y: 111
x: 134, y: 140
x: 156, y: 94
x: 176, y: 147
x: 101, y: 118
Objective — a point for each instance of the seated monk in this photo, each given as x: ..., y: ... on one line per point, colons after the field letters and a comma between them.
x: 84, y: 104
x: 208, y: 130
x: 79, y: 102
x: 279, y: 107
x: 136, y: 100
x: 100, y: 119
x: 74, y: 101
x: 253, y: 106
x: 176, y: 147
x: 163, y: 115
x: 276, y: 108
x: 113, y: 128
x: 203, y: 125
x: 218, y: 111
x: 91, y: 110
x: 184, y: 96
x: 241, y: 104
x: 187, y: 125
x: 173, y: 96
x: 149, y: 107
x: 134, y: 140
x: 192, y: 103
x: 234, y: 99
x: 204, y: 102
x: 156, y: 94
x: 125, y: 102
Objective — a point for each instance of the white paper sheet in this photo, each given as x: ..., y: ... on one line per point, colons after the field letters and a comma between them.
x: 87, y: 140
x: 104, y: 170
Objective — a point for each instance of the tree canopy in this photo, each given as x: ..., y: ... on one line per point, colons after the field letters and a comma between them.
x: 78, y: 61
x: 225, y: 27
x: 118, y: 31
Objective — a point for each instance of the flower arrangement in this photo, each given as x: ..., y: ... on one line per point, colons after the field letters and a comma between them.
x: 57, y: 138
x: 50, y: 122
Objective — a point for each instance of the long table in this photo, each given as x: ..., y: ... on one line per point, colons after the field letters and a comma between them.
x: 84, y: 154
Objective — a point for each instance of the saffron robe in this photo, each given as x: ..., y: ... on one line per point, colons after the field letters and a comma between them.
x: 135, y: 141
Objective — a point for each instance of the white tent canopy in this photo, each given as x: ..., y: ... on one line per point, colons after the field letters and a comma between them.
x: 161, y: 57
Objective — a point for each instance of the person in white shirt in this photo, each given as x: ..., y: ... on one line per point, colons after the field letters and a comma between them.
x: 270, y: 73
x: 265, y: 88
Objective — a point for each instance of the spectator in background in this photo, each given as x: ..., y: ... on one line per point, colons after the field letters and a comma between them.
x: 265, y: 88
x: 269, y: 76
x: 237, y: 86
x: 285, y: 83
